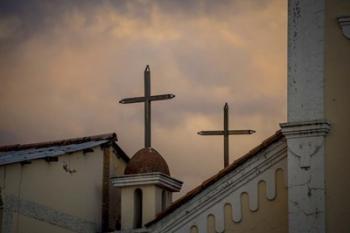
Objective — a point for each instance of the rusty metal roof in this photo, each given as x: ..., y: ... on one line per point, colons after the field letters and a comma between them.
x: 191, y: 194
x: 10, y: 154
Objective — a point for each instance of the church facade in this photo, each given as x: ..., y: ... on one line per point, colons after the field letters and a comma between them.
x: 296, y: 181
x: 250, y: 195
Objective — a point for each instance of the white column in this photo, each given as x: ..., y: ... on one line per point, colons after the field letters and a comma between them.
x: 306, y: 176
x: 306, y: 60
x: 306, y: 128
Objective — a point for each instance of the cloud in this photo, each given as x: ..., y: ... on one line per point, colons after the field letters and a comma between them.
x: 65, y: 64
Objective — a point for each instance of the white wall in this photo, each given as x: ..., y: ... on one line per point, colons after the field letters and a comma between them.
x: 151, y: 204
x: 47, y: 192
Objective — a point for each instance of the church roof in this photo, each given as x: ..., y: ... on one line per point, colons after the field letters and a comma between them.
x: 45, y: 150
x: 147, y: 160
x: 194, y: 192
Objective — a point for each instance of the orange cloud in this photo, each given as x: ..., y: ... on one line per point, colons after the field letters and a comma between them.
x: 63, y: 79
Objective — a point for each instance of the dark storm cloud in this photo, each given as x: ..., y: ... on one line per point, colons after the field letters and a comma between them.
x: 30, y: 17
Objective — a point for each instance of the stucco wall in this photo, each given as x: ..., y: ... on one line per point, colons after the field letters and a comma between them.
x: 65, y: 195
x: 337, y: 84
x: 117, y: 167
x: 36, y: 226
x: 271, y: 216
x: 127, y: 207
x: 151, y: 204
x: 192, y: 215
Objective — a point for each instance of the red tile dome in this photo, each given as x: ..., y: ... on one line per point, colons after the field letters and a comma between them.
x: 147, y: 160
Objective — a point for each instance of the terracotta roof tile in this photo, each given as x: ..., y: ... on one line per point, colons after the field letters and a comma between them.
x: 147, y: 160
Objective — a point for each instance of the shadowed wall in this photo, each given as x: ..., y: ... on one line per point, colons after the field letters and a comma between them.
x: 337, y: 83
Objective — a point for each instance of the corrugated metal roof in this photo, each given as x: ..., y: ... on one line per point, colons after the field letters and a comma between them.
x: 26, y: 152
x: 17, y: 156
x: 109, y: 136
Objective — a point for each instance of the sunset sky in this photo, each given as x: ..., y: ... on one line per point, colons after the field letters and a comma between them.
x: 65, y: 64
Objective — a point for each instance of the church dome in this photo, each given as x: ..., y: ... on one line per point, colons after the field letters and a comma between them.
x: 147, y: 160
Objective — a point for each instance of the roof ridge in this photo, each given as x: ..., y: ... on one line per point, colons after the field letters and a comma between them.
x: 15, y: 147
x: 206, y: 183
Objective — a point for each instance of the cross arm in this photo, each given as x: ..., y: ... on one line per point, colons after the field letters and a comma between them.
x: 243, y: 131
x: 222, y: 132
x: 143, y: 99
x: 211, y: 133
x: 132, y: 100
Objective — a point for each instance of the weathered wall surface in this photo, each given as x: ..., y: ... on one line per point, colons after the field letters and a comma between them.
x: 272, y: 216
x: 127, y: 207
x: 62, y: 196
x: 117, y: 167
x: 36, y: 226
x: 209, y: 210
x: 307, y: 127
x: 305, y: 60
x: 151, y: 204
x: 337, y: 98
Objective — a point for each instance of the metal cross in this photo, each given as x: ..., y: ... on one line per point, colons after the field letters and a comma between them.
x: 226, y: 132
x: 147, y: 99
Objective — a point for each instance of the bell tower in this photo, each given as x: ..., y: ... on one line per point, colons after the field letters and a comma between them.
x: 146, y: 188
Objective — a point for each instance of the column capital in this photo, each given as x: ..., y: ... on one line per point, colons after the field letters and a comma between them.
x: 305, y: 128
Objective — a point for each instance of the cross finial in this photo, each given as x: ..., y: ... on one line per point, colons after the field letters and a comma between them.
x: 226, y: 132
x: 147, y: 99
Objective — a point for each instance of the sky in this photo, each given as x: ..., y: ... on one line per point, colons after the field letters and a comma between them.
x: 64, y: 65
